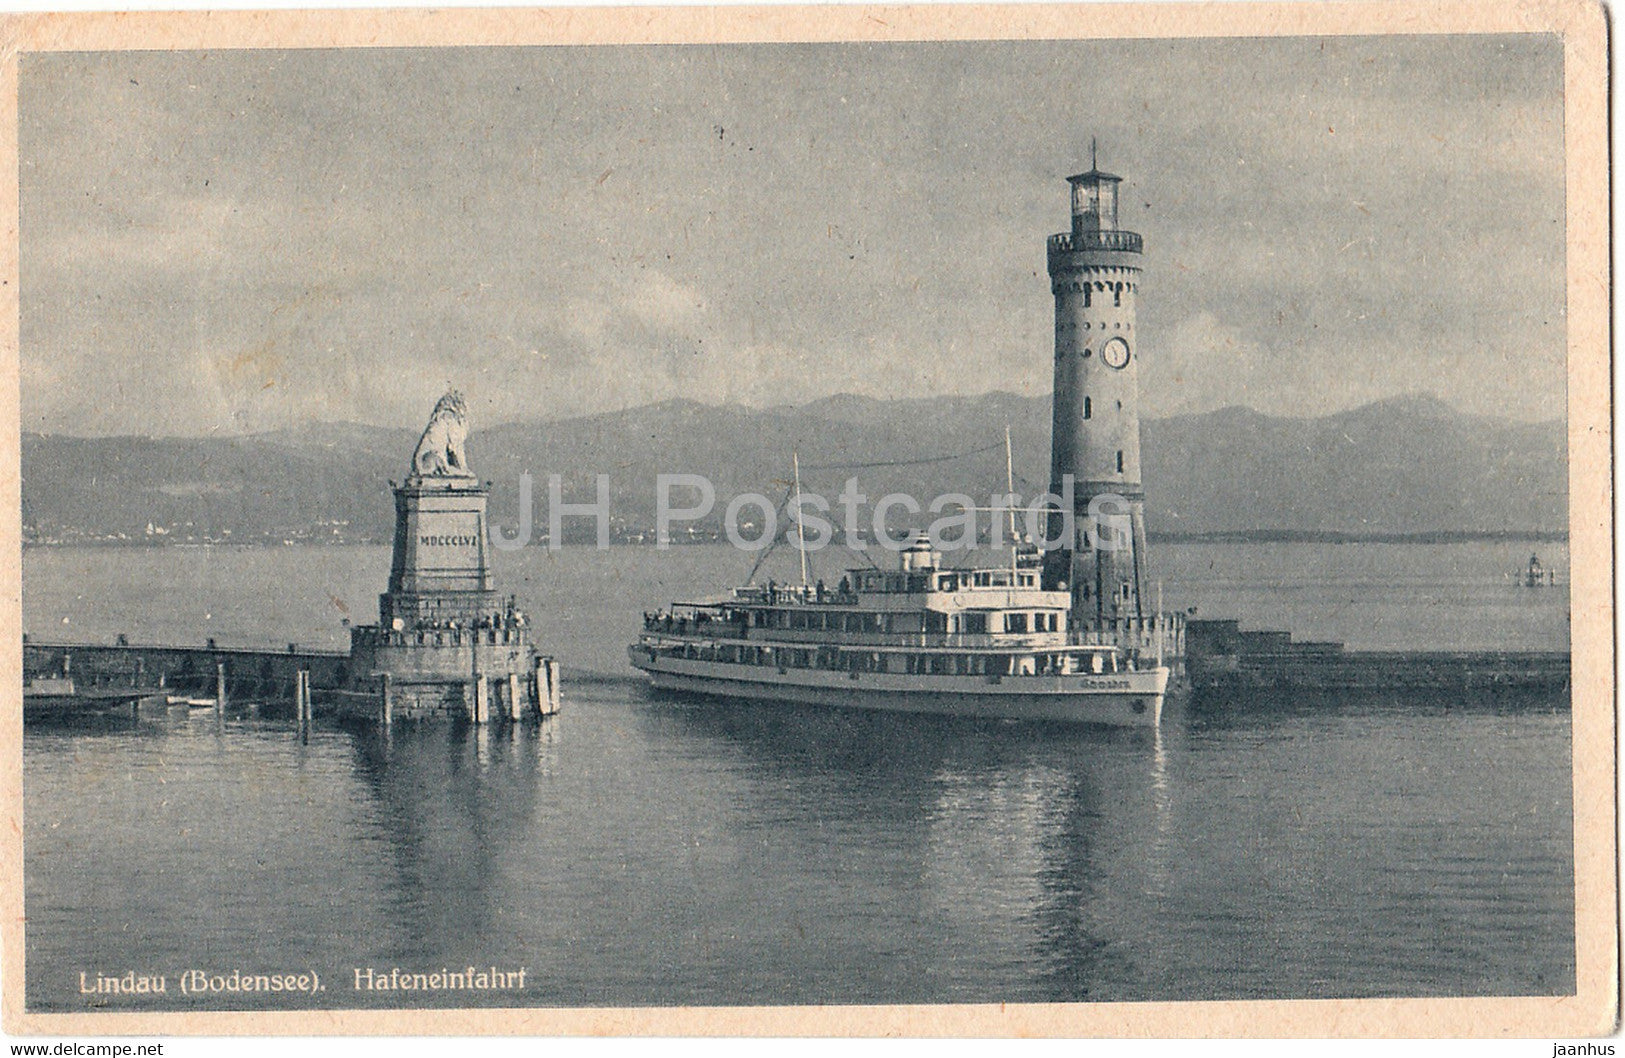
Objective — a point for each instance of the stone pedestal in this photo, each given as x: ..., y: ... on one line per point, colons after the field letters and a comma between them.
x: 444, y: 636
x: 439, y: 573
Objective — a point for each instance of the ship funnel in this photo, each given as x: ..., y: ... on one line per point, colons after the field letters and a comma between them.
x: 919, y: 554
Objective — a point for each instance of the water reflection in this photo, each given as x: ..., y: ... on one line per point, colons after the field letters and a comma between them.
x: 693, y: 851
x: 1158, y: 866
x: 454, y: 800
x: 1074, y: 949
x: 907, y: 745
x: 1005, y: 824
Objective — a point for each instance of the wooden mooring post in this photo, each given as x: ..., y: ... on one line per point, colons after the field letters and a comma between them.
x: 220, y: 688
x: 302, y: 703
x: 548, y: 697
x: 386, y: 701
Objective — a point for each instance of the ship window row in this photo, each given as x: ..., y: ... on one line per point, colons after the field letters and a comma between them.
x: 999, y: 578
x: 985, y: 578
x: 801, y: 620
x: 737, y: 623
x: 893, y: 582
x: 969, y: 622
x: 1039, y: 621
x: 830, y: 659
x: 884, y: 582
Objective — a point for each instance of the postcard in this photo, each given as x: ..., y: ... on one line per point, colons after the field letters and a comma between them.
x: 1058, y: 520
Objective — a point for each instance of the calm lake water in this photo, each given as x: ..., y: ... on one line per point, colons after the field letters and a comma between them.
x: 644, y: 850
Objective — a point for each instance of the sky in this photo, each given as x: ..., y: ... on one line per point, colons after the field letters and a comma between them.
x: 227, y: 242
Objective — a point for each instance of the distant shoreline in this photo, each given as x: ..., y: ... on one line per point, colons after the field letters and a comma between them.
x: 1246, y: 536
x: 1313, y: 536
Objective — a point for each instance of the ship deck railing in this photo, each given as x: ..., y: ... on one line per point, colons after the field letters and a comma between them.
x: 723, y: 633
x: 798, y: 596
x: 781, y: 595
x: 998, y: 664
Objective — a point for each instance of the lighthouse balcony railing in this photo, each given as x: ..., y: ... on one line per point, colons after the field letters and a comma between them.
x: 1067, y: 242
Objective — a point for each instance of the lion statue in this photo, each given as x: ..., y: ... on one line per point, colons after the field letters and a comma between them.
x: 440, y: 451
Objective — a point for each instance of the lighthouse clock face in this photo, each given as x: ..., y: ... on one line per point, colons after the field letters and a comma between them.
x: 1115, y: 353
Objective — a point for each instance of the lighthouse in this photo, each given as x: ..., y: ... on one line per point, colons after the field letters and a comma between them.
x: 1094, y: 272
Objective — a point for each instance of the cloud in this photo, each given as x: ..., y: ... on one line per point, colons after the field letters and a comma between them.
x: 664, y: 304
x: 1195, y: 368
x: 226, y: 240
x: 173, y: 233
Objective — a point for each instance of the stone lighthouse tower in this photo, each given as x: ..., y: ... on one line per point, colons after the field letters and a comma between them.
x: 1094, y: 273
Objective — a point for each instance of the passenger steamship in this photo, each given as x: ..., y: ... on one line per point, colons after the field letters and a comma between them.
x: 920, y: 638
x: 1064, y: 639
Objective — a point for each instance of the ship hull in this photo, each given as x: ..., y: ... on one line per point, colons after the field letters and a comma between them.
x: 1123, y: 699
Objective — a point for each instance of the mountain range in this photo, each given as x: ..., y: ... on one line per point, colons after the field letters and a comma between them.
x: 1405, y: 466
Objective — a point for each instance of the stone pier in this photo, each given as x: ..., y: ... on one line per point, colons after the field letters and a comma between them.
x: 446, y: 643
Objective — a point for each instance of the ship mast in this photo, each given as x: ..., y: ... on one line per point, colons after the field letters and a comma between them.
x: 1010, y: 490
x: 1162, y: 625
x: 801, y: 528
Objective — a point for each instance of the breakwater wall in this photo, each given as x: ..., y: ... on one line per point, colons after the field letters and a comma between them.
x: 252, y: 674
x: 1223, y: 659
x: 78, y: 677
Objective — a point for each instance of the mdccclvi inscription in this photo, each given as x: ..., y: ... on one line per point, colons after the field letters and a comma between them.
x: 428, y: 540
